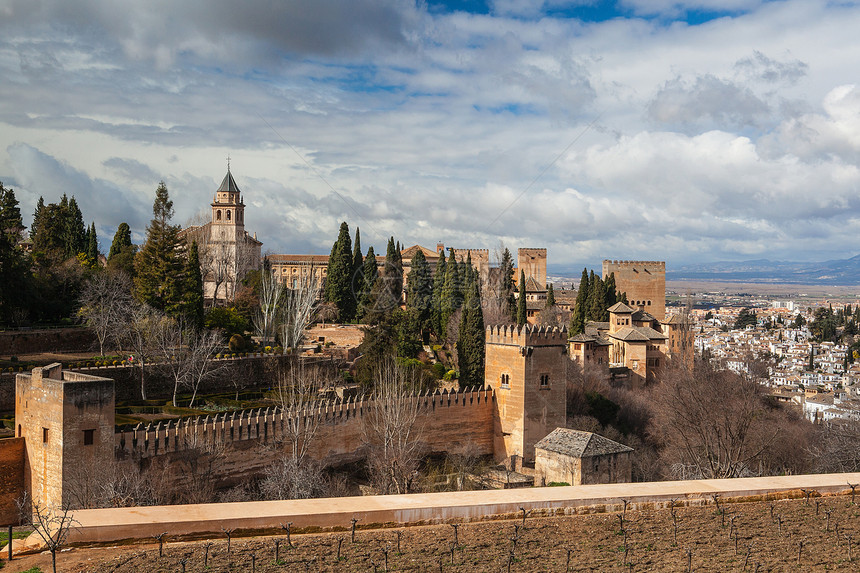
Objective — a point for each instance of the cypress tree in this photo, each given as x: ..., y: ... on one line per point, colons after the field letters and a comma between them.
x: 368, y: 277
x: 37, y: 218
x: 507, y: 269
x: 522, y: 316
x: 610, y: 289
x: 438, y: 287
x: 393, y: 276
x: 578, y: 316
x: 92, y: 246
x: 451, y: 292
x: 419, y: 289
x: 596, y: 305
x: 470, y: 343
x: 157, y: 266
x: 192, y: 291
x: 357, y: 266
x: 550, y: 296
x: 75, y: 231
x: 121, y: 239
x: 338, y: 277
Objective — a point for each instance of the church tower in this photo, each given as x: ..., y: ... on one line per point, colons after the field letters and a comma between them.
x: 228, y: 208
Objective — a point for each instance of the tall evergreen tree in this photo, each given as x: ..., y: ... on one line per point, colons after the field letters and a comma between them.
x: 452, y: 293
x: 14, y: 268
x: 470, y: 343
x: 338, y: 278
x: 75, y: 231
x: 392, y: 277
x: 439, y: 276
x: 596, y: 305
x: 579, y: 314
x: 121, y: 239
x: 506, y: 268
x: 357, y: 265
x: 369, y: 275
x: 550, y: 296
x: 610, y: 290
x: 92, y: 246
x: 192, y: 288
x: 38, y: 214
x: 158, y: 266
x: 419, y: 289
x: 522, y: 315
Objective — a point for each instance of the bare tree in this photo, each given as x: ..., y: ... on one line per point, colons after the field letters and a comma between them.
x: 391, y: 428
x: 53, y: 525
x: 294, y: 475
x: 199, y: 458
x: 301, y: 300
x: 187, y: 354
x: 713, y: 423
x: 106, y: 301
x: 266, y: 316
x: 141, y: 337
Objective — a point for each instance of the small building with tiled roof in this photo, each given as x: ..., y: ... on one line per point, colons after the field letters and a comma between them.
x: 575, y: 457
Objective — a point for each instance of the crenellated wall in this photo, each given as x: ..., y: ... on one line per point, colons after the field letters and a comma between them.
x: 450, y: 422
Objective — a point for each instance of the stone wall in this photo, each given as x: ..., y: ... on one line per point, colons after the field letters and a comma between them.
x: 11, y: 478
x: 449, y: 422
x: 18, y: 342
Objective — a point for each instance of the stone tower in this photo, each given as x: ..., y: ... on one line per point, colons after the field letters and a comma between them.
x: 533, y: 264
x: 67, y: 422
x: 643, y: 281
x: 527, y: 368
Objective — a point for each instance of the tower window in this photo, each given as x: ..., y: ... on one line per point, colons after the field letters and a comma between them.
x: 218, y: 215
x: 228, y: 215
x: 44, y: 435
x: 544, y: 380
x: 505, y: 380
x: 89, y: 437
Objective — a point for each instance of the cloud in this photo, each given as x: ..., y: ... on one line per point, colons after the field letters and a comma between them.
x: 705, y: 103
x: 762, y: 68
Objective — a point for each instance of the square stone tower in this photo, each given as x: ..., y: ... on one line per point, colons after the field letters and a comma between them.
x: 527, y: 368
x: 67, y: 422
x: 533, y: 264
x: 643, y: 281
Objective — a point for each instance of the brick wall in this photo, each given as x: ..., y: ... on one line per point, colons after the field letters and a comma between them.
x: 11, y: 478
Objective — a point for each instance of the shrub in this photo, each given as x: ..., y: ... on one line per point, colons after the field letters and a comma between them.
x: 438, y: 370
x: 237, y: 343
x: 267, y: 350
x: 450, y: 375
x: 13, y: 359
x: 279, y: 350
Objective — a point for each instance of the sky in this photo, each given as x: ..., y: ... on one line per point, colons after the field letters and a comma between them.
x: 677, y: 130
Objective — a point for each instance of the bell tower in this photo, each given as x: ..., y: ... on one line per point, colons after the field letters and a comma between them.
x: 228, y: 208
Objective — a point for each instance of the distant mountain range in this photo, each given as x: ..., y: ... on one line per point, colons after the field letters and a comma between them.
x: 835, y: 272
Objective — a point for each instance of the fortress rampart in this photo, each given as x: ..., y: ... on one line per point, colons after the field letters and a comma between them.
x: 450, y: 422
x: 526, y: 335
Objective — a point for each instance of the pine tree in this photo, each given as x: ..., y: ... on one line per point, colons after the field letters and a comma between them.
x: 522, y: 315
x: 10, y: 214
x: 439, y: 276
x: 158, y: 266
x: 192, y: 288
x: 550, y: 296
x: 38, y: 214
x: 419, y: 289
x: 470, y: 343
x: 578, y: 316
x: 339, y: 276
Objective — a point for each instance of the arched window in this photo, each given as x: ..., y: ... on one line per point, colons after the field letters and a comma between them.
x: 218, y: 215
x: 228, y: 215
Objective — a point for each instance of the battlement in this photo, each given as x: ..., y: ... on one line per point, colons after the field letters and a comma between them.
x: 271, y: 424
x: 613, y: 264
x: 526, y: 335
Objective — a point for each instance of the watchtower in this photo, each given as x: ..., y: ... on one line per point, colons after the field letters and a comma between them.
x: 67, y: 422
x: 643, y: 281
x: 527, y: 368
x: 532, y: 262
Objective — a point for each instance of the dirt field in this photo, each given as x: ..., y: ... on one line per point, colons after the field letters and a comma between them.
x: 799, y: 536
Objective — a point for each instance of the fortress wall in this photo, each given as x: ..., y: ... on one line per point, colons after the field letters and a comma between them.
x: 11, y: 478
x: 450, y: 422
x: 15, y: 342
